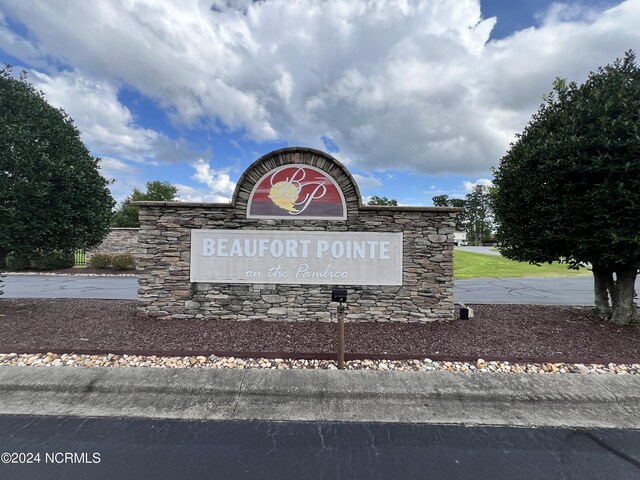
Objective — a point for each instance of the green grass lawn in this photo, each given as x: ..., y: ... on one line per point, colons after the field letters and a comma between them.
x: 479, y: 265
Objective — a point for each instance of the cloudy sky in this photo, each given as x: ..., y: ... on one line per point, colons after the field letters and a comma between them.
x: 417, y: 97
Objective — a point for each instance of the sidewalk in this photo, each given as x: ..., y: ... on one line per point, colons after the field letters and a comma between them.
x: 604, y: 401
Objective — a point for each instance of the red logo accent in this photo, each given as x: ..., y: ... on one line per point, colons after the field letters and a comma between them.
x: 297, y: 191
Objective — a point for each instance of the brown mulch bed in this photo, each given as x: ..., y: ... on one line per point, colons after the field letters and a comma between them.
x: 531, y: 333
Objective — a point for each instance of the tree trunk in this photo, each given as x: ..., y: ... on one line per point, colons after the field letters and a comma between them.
x: 622, y: 291
x: 3, y: 259
x: 601, y: 281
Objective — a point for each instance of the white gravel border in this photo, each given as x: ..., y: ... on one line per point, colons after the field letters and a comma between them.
x: 424, y: 365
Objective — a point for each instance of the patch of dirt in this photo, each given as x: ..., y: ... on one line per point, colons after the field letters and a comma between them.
x: 498, y: 332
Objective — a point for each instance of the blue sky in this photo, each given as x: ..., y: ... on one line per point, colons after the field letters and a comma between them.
x: 417, y: 98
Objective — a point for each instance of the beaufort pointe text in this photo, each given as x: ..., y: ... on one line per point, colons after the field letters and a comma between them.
x: 295, y: 248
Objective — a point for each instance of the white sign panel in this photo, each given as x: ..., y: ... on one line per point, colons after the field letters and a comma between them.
x: 287, y: 257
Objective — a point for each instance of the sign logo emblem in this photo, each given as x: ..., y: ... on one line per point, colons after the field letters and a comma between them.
x: 297, y: 191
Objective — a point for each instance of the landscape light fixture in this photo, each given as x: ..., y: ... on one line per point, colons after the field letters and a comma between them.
x: 466, y: 313
x: 340, y: 295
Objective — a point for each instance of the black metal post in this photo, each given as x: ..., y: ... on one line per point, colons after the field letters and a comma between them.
x: 341, y: 309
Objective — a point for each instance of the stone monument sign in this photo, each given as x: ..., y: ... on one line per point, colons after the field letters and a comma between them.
x: 295, y: 229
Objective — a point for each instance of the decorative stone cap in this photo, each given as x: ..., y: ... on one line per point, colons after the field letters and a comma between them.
x: 180, y: 204
x: 395, y: 208
x: 298, y: 156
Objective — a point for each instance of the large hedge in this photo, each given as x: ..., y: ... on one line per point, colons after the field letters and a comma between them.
x: 52, y: 196
x: 569, y: 188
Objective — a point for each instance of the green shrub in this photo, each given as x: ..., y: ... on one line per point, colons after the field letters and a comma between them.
x: 53, y: 260
x: 100, y: 260
x: 123, y: 261
x: 18, y: 262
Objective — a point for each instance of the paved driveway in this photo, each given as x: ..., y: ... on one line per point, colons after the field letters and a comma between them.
x: 533, y: 291
x: 545, y: 291
x: 69, y: 286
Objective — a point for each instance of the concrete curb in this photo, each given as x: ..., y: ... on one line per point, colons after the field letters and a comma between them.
x: 604, y: 401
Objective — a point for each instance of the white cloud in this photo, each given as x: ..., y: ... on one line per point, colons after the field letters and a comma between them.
x: 191, y: 194
x: 366, y: 182
x: 485, y: 182
x: 218, y: 182
x: 108, y: 164
x: 412, y: 84
x: 565, y: 12
x: 107, y: 126
x: 109, y: 129
x: 16, y: 45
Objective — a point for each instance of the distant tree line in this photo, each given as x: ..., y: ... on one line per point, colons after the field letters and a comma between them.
x: 476, y: 219
x: 157, y: 191
x: 376, y: 200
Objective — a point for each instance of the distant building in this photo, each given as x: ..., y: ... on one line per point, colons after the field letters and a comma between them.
x: 459, y: 238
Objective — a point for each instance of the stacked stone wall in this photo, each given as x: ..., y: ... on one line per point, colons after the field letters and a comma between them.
x: 119, y: 240
x: 163, y: 259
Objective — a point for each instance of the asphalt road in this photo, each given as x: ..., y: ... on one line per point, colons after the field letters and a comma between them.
x: 141, y: 448
x: 577, y: 290
x: 70, y: 286
x: 485, y: 250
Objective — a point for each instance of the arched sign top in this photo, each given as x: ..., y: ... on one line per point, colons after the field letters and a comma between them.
x: 297, y: 191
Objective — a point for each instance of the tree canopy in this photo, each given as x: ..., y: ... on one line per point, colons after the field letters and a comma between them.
x: 52, y: 196
x: 569, y: 187
x: 375, y: 200
x: 157, y: 191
